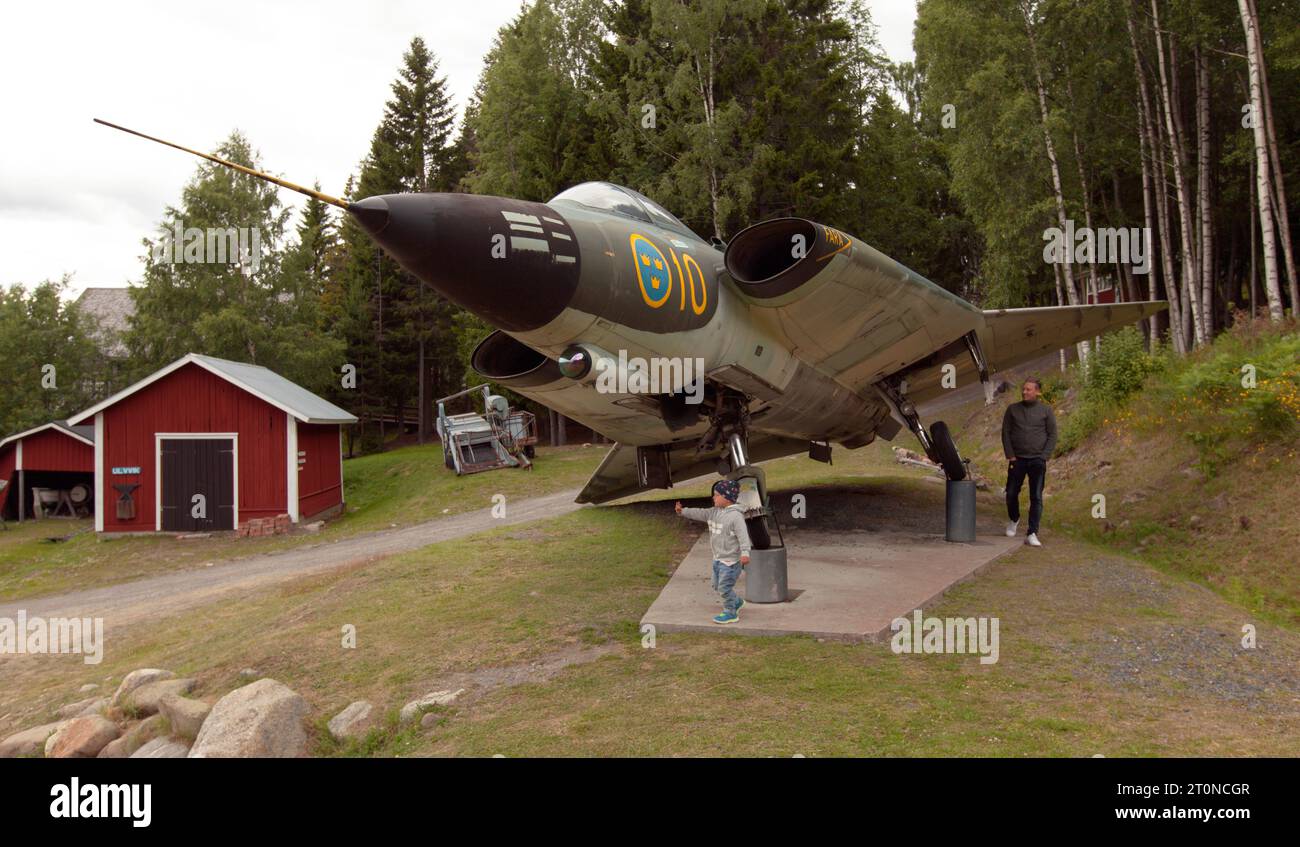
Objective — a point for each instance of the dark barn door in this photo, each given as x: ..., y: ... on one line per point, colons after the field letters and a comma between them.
x: 193, y: 466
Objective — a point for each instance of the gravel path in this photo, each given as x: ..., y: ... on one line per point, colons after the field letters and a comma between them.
x: 163, y: 595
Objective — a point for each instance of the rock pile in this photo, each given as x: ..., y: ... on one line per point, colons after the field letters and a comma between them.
x: 151, y: 716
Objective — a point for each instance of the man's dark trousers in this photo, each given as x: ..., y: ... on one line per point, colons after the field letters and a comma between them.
x: 1036, y: 470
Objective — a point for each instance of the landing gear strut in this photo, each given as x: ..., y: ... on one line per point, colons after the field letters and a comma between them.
x: 937, y: 443
x: 729, y: 425
x: 972, y: 339
x: 739, y: 450
x: 729, y: 420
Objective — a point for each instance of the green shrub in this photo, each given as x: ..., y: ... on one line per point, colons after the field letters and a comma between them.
x: 1211, y: 399
x: 1054, y: 388
x: 1083, y: 420
x: 1120, y: 368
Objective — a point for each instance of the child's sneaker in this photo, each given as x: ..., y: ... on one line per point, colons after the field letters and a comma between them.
x: 740, y: 605
x: 726, y: 617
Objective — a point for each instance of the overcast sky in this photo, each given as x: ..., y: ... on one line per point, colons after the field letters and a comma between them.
x: 305, y: 81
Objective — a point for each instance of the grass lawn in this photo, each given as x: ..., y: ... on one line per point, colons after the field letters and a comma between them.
x: 396, y: 488
x: 1103, y: 649
x: 539, y: 622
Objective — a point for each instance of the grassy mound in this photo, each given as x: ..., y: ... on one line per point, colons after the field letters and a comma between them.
x: 1189, y: 463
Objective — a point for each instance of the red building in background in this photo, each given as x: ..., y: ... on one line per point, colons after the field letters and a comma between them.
x: 53, y: 455
x: 1103, y: 295
x: 208, y: 444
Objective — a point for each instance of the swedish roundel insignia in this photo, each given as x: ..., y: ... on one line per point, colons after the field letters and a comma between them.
x: 652, y: 273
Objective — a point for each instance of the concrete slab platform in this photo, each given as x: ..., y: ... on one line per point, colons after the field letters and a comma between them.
x: 847, y: 586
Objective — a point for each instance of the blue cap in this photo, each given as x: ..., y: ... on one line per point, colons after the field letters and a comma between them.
x: 728, y: 488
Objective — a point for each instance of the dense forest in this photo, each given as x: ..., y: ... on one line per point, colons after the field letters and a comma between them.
x: 1171, y: 121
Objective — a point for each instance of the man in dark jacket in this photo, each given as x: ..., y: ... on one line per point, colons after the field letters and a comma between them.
x: 1028, y: 439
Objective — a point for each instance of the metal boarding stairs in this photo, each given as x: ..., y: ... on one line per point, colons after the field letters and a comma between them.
x: 498, y: 438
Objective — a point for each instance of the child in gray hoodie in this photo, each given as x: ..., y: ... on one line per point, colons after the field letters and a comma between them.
x: 729, y: 539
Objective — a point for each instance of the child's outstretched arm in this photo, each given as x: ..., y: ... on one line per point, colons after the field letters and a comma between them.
x: 692, y: 514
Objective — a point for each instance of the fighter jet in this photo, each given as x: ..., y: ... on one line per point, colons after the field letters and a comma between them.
x: 697, y: 356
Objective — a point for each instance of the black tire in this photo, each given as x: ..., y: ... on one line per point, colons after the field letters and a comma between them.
x: 530, y: 451
x: 946, y: 452
x: 447, y: 460
x: 759, y: 537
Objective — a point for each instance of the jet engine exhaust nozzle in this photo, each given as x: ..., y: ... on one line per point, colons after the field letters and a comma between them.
x: 775, y: 257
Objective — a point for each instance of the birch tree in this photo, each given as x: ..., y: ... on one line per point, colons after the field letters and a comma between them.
x: 1263, y: 161
x: 1071, y: 291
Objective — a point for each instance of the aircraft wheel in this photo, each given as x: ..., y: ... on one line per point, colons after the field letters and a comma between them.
x: 759, y: 537
x: 447, y: 460
x: 946, y: 452
x: 530, y: 451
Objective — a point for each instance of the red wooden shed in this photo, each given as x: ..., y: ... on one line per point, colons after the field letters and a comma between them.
x: 209, y: 444
x: 53, y: 455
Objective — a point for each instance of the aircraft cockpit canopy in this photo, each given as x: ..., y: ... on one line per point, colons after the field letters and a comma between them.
x: 608, y: 197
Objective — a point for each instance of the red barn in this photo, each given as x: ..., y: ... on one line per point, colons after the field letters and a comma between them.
x: 208, y: 444
x: 54, y: 455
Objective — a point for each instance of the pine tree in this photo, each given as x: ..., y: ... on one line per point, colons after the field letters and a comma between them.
x: 411, y: 150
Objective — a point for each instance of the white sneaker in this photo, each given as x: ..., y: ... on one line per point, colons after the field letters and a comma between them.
x: 1012, y: 526
x: 1032, y: 540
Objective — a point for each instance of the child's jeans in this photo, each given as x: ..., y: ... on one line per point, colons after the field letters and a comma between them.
x: 724, y: 582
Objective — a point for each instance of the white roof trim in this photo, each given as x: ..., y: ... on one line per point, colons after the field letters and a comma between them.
x: 195, y: 359
x: 51, y: 425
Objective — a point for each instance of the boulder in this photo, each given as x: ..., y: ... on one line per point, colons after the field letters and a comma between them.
x: 263, y: 719
x: 134, y: 738
x: 29, y: 742
x: 184, y: 714
x: 145, y: 699
x: 354, y: 721
x: 137, y: 678
x: 162, y: 748
x: 89, y: 706
x: 413, y: 709
x: 118, y: 748
x: 82, y: 738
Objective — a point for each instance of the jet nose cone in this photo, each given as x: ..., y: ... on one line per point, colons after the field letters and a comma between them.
x: 512, y: 262
x: 371, y: 213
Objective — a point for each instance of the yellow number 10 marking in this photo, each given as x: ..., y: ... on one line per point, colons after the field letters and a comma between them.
x: 689, y: 273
